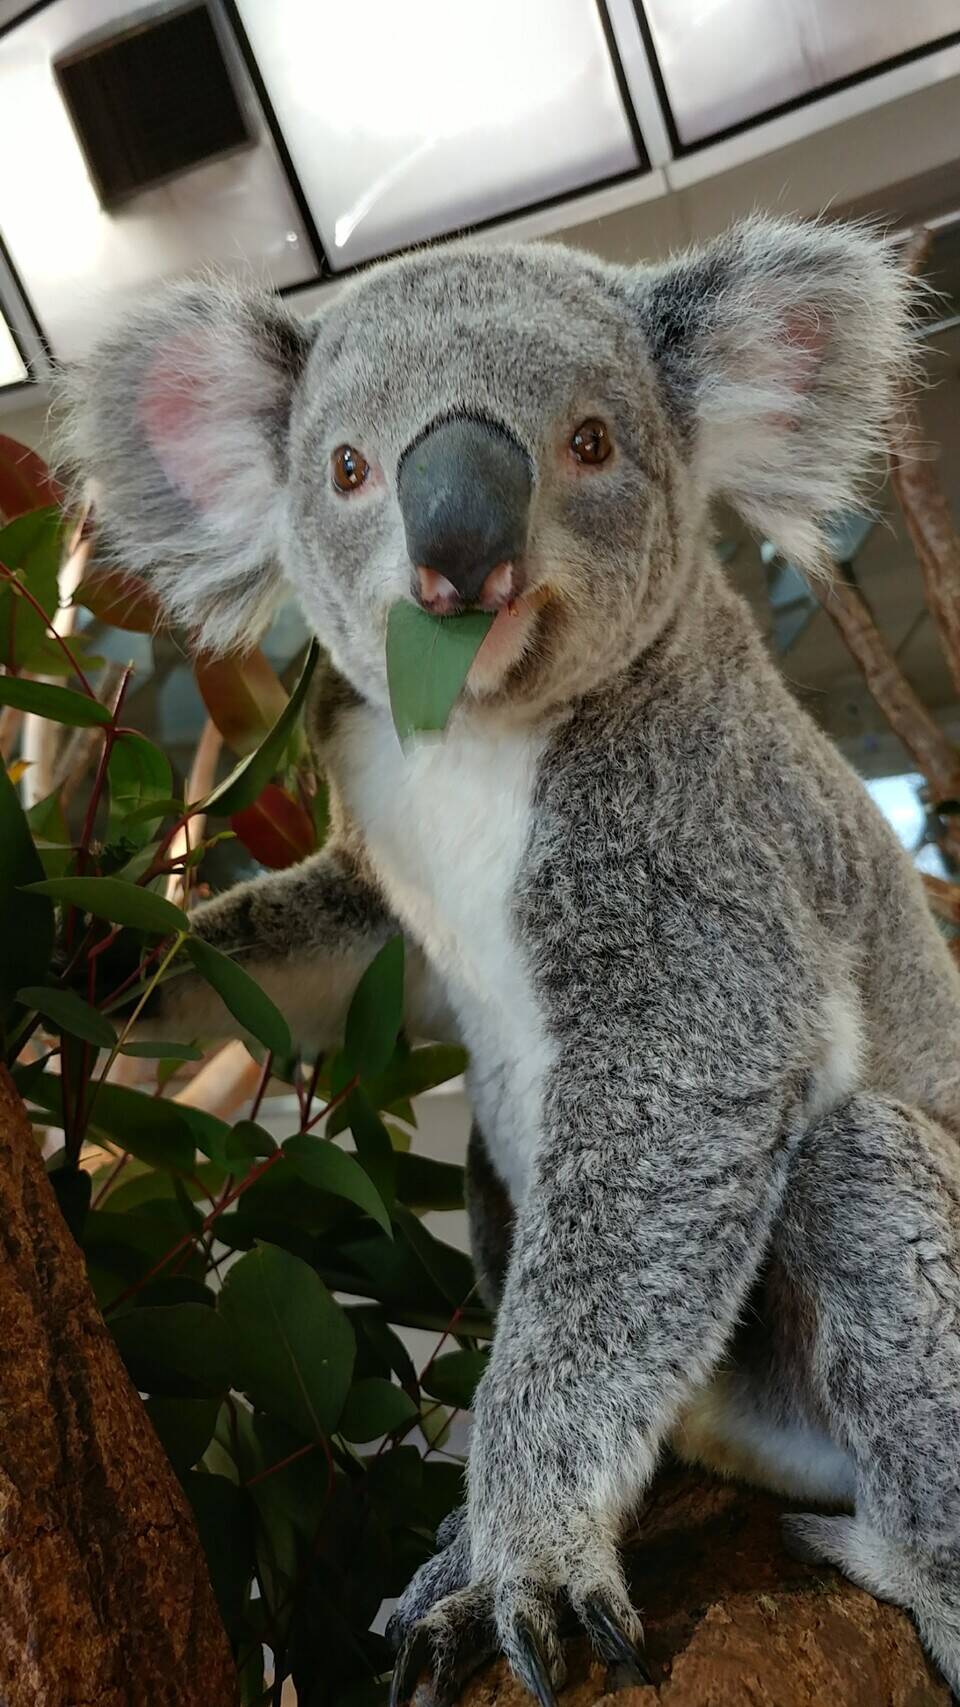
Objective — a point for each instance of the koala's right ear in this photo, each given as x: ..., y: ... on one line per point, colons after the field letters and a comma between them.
x: 178, y: 420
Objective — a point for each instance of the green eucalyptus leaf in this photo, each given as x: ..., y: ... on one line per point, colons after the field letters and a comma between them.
x: 118, y: 902
x: 250, y: 1006
x: 139, y: 774
x: 69, y: 1012
x: 184, y: 1426
x: 158, y: 1133
x: 375, y: 1014
x: 244, y: 784
x: 454, y: 1377
x: 162, y: 1050
x: 224, y: 1517
x: 327, y: 1168
x: 30, y: 546
x: 375, y: 1407
x: 293, y: 1345
x: 428, y: 661
x: 176, y: 1349
x: 26, y: 921
x: 44, y: 699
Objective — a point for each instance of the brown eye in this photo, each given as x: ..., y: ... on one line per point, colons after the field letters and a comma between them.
x: 350, y: 469
x: 591, y: 442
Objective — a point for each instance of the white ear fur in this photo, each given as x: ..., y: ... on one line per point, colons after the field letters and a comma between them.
x: 787, y: 344
x: 179, y: 421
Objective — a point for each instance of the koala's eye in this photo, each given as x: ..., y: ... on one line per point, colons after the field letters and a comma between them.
x: 591, y: 442
x: 350, y: 468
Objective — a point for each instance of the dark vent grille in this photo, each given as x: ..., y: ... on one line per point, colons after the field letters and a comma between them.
x: 152, y: 101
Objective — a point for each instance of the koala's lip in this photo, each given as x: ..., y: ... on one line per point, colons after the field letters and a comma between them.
x: 508, y: 638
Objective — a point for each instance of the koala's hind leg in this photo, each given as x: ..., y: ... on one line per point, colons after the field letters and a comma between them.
x: 869, y: 1241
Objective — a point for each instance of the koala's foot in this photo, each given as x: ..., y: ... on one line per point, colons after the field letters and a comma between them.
x: 447, y: 1625
x: 926, y: 1587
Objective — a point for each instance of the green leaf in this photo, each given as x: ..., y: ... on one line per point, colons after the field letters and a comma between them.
x: 176, y: 1349
x: 248, y: 1139
x: 46, y: 658
x: 423, y: 1183
x: 449, y: 1269
x: 375, y: 1014
x: 120, y: 903
x: 407, y: 1076
x: 428, y: 661
x: 46, y: 819
x: 158, y: 1133
x: 293, y: 1345
x: 242, y: 787
x: 162, y: 1050
x: 43, y: 699
x: 69, y: 1012
x: 374, y: 1149
x: 139, y: 774
x: 249, y: 1005
x: 150, y: 810
x: 26, y: 921
x: 224, y: 1518
x: 454, y: 1378
x: 185, y: 1428
x: 327, y: 1168
x: 375, y: 1407
x: 30, y: 546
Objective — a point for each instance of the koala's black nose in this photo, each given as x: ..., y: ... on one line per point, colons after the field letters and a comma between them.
x: 464, y: 493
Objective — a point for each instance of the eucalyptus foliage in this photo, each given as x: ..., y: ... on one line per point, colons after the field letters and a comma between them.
x: 254, y: 1287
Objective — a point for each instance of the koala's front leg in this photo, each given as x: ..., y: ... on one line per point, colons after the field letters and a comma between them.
x: 642, y: 1231
x: 307, y: 935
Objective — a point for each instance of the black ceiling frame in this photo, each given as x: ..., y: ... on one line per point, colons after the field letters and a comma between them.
x: 681, y: 150
x: 324, y: 271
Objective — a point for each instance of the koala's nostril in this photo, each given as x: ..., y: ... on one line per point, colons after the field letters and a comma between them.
x: 436, y: 592
x: 499, y: 587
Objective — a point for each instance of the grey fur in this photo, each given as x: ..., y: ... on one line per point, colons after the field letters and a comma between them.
x: 714, y: 1031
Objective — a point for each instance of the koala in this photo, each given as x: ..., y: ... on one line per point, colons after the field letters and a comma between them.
x: 714, y: 1033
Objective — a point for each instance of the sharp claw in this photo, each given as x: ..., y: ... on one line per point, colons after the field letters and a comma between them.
x: 533, y: 1670
x: 411, y: 1660
x: 613, y: 1642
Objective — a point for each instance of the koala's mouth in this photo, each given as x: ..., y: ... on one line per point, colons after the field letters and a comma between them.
x: 509, y: 638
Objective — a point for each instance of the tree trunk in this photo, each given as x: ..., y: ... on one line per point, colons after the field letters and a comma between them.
x: 732, y: 1621
x: 105, y: 1599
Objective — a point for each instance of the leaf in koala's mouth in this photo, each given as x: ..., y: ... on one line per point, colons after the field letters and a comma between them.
x: 428, y: 661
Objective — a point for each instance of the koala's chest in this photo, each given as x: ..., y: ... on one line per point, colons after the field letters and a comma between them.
x: 446, y: 826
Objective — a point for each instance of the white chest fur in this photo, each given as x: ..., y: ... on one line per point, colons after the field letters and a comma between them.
x: 445, y: 825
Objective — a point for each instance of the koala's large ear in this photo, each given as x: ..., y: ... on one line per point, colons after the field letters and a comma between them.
x: 782, y: 347
x: 179, y: 420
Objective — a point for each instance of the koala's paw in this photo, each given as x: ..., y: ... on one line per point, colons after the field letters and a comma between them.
x: 447, y: 1624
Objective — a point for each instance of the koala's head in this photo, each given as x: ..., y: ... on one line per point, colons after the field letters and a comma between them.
x: 525, y: 430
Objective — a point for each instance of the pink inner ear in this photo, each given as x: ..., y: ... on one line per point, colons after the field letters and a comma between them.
x: 176, y: 409
x: 806, y: 339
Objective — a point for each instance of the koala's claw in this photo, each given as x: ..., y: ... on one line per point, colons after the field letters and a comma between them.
x: 413, y: 1658
x: 612, y: 1642
x: 457, y: 1635
x: 531, y: 1667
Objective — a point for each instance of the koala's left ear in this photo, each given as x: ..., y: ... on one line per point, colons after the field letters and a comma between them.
x: 782, y: 347
x: 179, y: 421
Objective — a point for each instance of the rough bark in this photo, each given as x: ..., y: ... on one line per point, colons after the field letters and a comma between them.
x: 105, y: 1599
x: 733, y: 1621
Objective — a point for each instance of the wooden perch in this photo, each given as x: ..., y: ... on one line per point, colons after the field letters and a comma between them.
x: 105, y: 1599
x: 732, y: 1621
